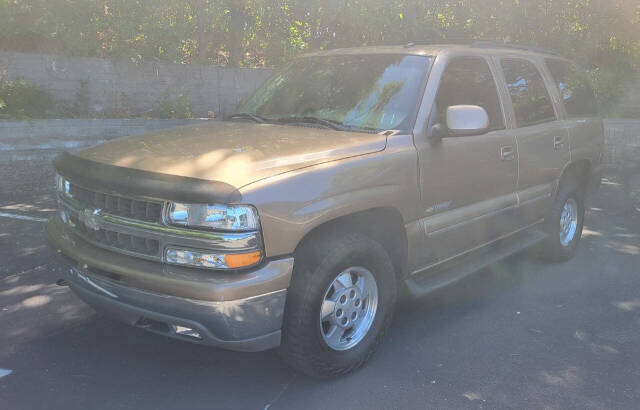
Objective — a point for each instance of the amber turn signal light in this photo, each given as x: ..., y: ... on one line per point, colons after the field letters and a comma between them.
x: 241, y: 260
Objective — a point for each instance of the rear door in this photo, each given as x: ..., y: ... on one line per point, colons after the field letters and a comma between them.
x: 541, y: 138
x: 582, y: 120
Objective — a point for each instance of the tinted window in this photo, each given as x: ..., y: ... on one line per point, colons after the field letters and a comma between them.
x: 530, y: 98
x: 574, y: 88
x: 468, y: 81
x: 376, y: 91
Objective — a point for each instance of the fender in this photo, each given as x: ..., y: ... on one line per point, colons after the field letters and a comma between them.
x: 293, y: 204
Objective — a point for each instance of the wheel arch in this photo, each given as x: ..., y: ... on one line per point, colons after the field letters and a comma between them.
x: 579, y: 169
x: 383, y: 224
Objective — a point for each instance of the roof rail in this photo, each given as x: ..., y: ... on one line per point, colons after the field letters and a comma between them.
x: 457, y: 40
x: 497, y: 44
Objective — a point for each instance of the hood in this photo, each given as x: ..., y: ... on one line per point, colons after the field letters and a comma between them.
x: 236, y: 153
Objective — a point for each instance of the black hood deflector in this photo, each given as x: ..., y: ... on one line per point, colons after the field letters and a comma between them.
x: 135, y: 182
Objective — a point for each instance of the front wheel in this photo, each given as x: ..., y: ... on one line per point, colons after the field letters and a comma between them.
x: 340, y: 302
x: 565, y: 222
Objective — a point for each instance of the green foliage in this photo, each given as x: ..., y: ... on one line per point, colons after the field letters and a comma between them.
x: 265, y: 32
x: 168, y: 106
x: 22, y: 99
x: 612, y: 74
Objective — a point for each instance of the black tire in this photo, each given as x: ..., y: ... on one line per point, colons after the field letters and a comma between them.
x: 317, y: 264
x: 553, y: 249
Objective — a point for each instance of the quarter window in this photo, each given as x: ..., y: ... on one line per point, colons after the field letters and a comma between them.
x: 578, y: 97
x: 531, y: 102
x: 468, y: 81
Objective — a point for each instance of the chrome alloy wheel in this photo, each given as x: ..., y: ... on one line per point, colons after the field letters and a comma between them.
x: 348, y: 308
x: 568, y: 221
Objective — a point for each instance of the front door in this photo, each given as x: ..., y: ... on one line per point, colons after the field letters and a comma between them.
x: 467, y: 183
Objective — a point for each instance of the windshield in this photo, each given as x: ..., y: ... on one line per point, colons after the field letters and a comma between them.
x: 376, y: 91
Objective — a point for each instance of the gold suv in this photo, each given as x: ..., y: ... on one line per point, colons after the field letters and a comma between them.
x: 348, y: 176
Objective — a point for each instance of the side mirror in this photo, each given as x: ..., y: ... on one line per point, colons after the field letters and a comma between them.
x: 467, y: 120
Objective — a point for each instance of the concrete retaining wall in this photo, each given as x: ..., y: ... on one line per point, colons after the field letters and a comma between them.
x: 122, y: 87
x: 622, y: 142
x: 629, y: 104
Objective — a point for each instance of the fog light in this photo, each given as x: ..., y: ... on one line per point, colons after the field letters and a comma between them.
x: 212, y: 260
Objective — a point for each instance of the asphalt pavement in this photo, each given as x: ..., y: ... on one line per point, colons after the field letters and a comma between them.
x: 521, y: 334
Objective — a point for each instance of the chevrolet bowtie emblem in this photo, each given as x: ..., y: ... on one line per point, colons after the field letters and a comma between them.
x: 89, y: 218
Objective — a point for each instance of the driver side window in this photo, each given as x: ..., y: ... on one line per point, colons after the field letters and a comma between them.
x: 468, y: 81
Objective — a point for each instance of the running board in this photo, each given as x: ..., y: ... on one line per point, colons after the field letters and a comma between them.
x: 431, y: 279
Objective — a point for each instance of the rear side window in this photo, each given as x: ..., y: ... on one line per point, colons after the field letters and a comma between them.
x: 578, y: 97
x: 529, y: 95
x: 468, y: 81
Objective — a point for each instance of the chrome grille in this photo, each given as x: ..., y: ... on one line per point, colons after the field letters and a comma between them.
x: 117, y: 205
x: 118, y: 240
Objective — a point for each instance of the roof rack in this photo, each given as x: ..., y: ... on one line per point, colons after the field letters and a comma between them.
x: 438, y: 41
x: 497, y: 44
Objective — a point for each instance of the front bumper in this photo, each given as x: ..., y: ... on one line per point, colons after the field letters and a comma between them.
x: 238, y: 311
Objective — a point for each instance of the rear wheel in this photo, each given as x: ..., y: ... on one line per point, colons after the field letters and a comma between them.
x: 565, y: 222
x: 339, y: 304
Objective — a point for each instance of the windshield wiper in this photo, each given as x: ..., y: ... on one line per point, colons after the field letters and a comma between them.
x: 334, y: 125
x: 245, y: 116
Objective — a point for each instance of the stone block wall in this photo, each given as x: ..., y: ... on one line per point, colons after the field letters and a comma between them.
x: 121, y: 86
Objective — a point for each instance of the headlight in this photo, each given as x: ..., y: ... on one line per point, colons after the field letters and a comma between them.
x: 214, y: 217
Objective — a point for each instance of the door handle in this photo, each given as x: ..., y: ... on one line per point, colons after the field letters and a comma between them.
x: 507, y: 153
x: 558, y: 143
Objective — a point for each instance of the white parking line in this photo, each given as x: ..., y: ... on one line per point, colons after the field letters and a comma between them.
x: 5, y: 372
x: 23, y: 217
